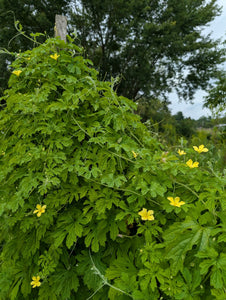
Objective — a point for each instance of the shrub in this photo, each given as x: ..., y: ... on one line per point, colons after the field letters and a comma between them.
x: 89, y: 205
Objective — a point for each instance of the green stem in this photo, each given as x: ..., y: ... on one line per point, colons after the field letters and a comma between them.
x: 100, y: 144
x: 123, y: 190
x: 188, y: 188
x: 105, y: 282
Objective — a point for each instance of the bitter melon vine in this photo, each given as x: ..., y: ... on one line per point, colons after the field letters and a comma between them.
x: 92, y: 206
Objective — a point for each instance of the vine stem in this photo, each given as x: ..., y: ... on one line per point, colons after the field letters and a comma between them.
x: 125, y: 158
x: 123, y: 190
x: 188, y: 188
x: 105, y: 282
x: 96, y: 291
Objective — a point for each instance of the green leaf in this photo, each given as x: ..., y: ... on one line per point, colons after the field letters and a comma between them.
x: 216, y: 278
x: 15, y: 289
x: 114, y: 231
x: 157, y: 189
x: 180, y: 238
x: 218, y: 274
x: 97, y: 236
x: 65, y: 281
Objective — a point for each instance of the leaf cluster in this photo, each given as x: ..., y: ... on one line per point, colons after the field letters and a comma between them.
x: 67, y: 141
x: 150, y: 43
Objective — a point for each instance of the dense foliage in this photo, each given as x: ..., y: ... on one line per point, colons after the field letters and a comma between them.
x: 216, y: 98
x: 154, y: 46
x: 92, y: 206
x: 36, y: 16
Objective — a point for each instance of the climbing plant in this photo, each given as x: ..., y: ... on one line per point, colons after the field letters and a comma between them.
x: 92, y: 206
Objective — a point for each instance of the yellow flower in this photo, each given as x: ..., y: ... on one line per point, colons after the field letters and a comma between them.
x: 35, y: 281
x: 135, y: 154
x: 200, y: 149
x: 17, y: 72
x: 181, y: 152
x: 40, y: 210
x: 146, y: 215
x: 55, y: 56
x: 192, y: 164
x: 175, y: 201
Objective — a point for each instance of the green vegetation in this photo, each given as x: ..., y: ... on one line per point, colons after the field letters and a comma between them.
x: 149, y: 44
x: 37, y: 16
x: 92, y: 205
x: 216, y: 98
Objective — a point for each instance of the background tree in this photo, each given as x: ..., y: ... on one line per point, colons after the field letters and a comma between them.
x: 184, y: 126
x: 35, y: 16
x: 155, y: 45
x: 204, y: 122
x: 153, y: 109
x: 216, y: 98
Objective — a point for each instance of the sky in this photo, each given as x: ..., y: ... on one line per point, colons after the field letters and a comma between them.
x: 195, y: 110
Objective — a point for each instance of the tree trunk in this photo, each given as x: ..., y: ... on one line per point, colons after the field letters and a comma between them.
x: 61, y: 27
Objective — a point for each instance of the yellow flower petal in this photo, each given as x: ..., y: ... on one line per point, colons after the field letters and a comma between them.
x: 175, y: 201
x: 181, y: 152
x: 143, y: 211
x: 195, y: 148
x: 146, y: 215
x: 192, y: 165
x: 134, y: 154
x: 35, y: 281
x: 200, y: 149
x: 55, y: 56
x: 40, y: 210
x: 17, y: 72
x: 195, y: 164
x: 170, y: 199
x: 150, y: 218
